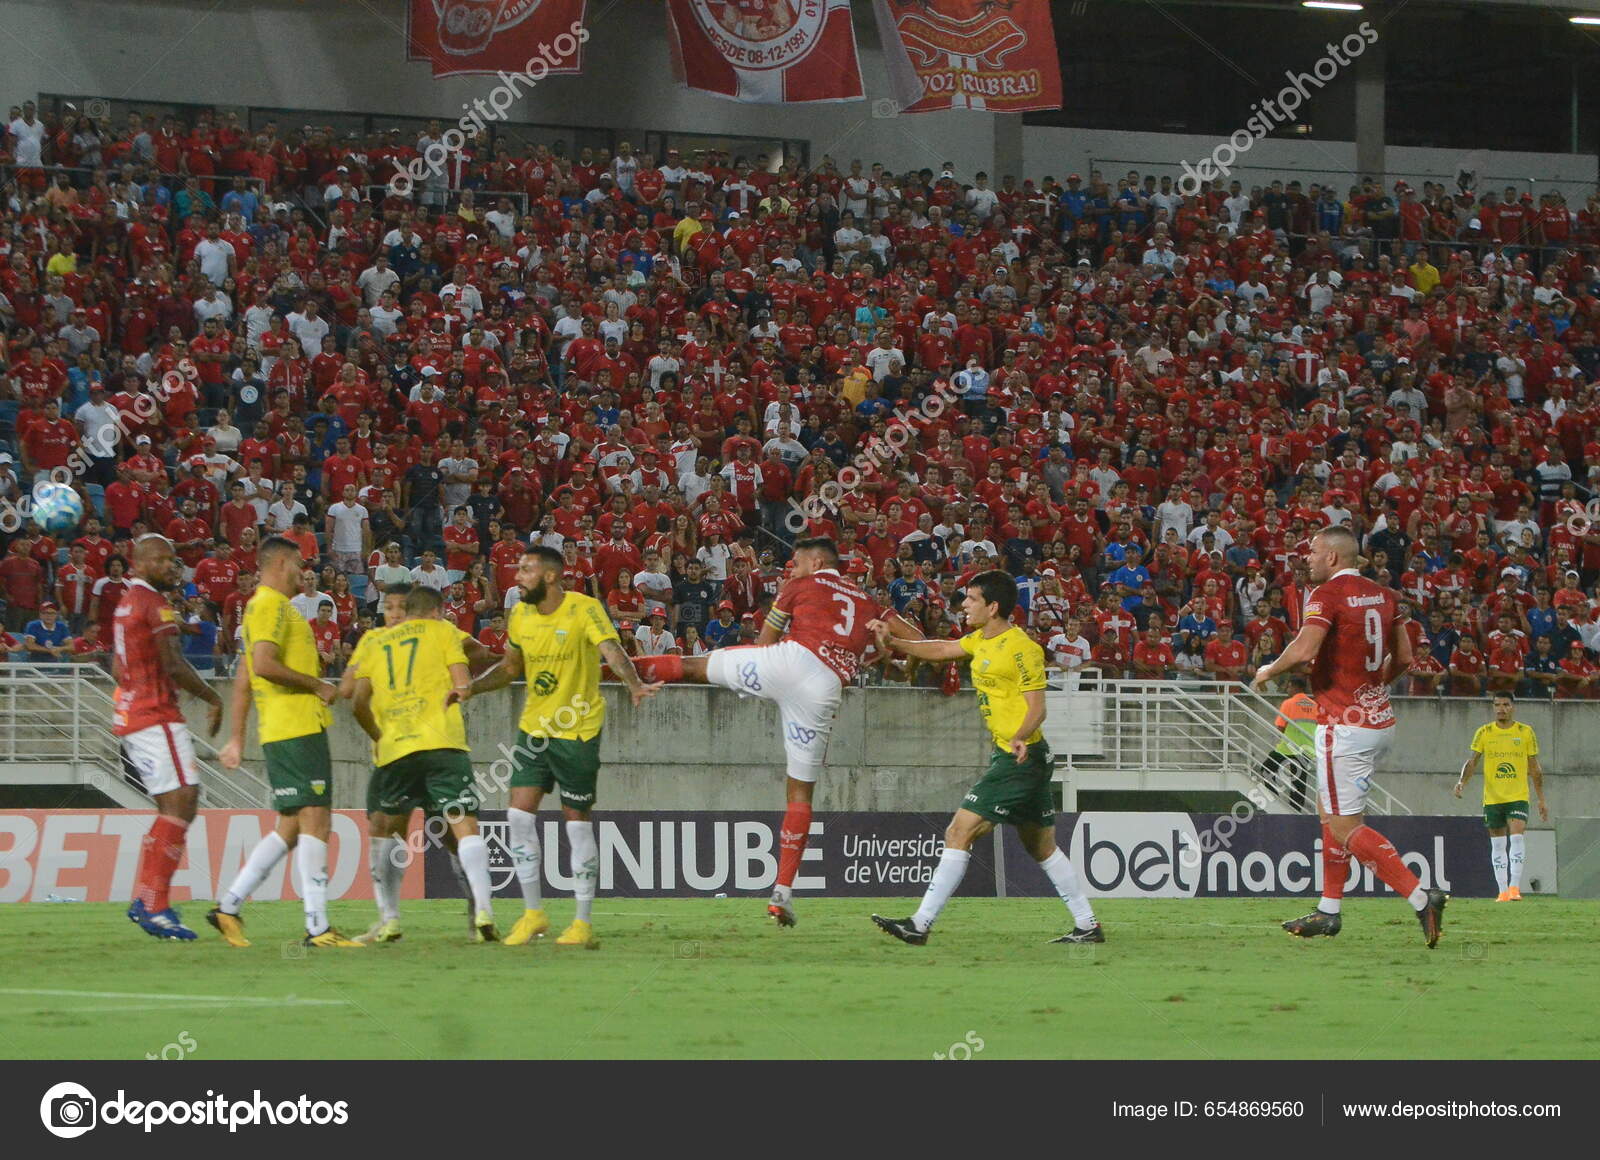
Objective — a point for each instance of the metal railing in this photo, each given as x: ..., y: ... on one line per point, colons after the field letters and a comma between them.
x: 60, y: 716
x: 1117, y: 727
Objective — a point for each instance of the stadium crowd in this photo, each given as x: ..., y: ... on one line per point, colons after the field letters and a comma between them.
x: 1140, y: 403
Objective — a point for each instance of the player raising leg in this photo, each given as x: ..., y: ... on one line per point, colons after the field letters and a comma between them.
x: 1510, y: 753
x: 558, y: 639
x: 279, y: 672
x: 1355, y: 646
x: 412, y: 678
x: 810, y: 646
x: 1008, y: 671
x: 149, y: 666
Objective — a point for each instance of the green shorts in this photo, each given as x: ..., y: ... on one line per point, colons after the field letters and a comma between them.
x: 300, y: 771
x: 437, y: 780
x: 546, y: 762
x: 1015, y: 792
x: 1496, y: 815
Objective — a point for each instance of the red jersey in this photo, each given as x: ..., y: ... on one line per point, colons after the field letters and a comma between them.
x: 145, y: 694
x: 1348, y: 676
x: 827, y: 615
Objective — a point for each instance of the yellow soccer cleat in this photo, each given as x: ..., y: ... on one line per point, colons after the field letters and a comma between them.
x: 579, y: 934
x: 329, y: 938
x: 1504, y: 896
x: 1514, y: 894
x: 483, y: 928
x: 530, y: 926
x: 229, y: 926
x: 383, y: 931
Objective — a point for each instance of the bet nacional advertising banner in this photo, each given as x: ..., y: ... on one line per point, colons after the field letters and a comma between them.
x: 1118, y: 855
x: 91, y: 856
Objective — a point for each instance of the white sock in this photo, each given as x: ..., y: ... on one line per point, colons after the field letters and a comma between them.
x: 267, y: 854
x: 585, y: 866
x: 311, y: 859
x: 1062, y: 876
x: 524, y: 847
x: 1418, y: 898
x: 946, y: 877
x: 474, y: 854
x: 1497, y: 858
x: 385, y: 876
x: 1519, y: 848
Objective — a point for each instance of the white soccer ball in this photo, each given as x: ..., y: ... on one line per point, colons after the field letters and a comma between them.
x: 57, y: 508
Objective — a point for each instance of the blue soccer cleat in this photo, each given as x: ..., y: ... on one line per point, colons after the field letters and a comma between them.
x: 166, y: 924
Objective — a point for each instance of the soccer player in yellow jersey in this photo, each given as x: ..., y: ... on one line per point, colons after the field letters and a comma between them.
x: 1008, y: 669
x: 1510, y: 754
x: 280, y: 673
x: 557, y: 640
x: 411, y: 679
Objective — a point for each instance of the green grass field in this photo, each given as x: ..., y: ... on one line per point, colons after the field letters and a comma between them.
x: 709, y: 979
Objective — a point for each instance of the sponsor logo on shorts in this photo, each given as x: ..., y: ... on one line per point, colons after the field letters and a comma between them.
x: 319, y: 787
x: 748, y: 676
x: 284, y: 791
x: 799, y: 733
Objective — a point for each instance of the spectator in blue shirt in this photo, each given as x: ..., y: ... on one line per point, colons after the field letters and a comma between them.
x: 903, y: 589
x: 1131, y: 578
x: 1196, y: 625
x: 47, y: 639
x: 724, y: 630
x: 200, y: 636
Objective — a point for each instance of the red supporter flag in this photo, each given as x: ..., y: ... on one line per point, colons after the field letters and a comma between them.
x: 766, y: 51
x: 537, y: 38
x: 969, y: 54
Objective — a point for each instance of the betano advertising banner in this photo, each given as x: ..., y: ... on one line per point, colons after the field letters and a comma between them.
x: 91, y: 856
x: 1118, y: 855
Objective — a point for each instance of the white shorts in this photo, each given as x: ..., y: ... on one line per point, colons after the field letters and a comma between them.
x: 163, y: 756
x: 807, y: 693
x: 1347, y: 756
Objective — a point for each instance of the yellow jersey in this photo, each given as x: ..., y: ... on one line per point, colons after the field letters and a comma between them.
x: 1003, y: 668
x: 1505, y: 760
x: 284, y: 713
x: 561, y: 661
x: 408, y: 667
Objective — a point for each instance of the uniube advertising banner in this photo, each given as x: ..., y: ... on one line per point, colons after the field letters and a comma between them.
x: 1118, y: 855
x: 91, y: 856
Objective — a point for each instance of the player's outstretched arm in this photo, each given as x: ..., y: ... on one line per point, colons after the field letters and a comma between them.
x: 1301, y: 650
x: 239, y: 706
x: 183, y: 675
x: 1467, y: 770
x: 1536, y: 779
x: 361, y: 708
x: 1034, y: 699
x: 622, y: 665
x: 926, y: 650
x: 508, y: 670
x: 266, y: 664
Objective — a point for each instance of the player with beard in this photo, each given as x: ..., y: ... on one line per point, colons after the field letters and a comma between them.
x: 148, y: 662
x: 558, y: 641
x: 1356, y: 646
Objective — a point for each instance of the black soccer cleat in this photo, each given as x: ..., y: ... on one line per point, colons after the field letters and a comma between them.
x: 903, y: 929
x: 1313, y: 924
x: 1431, y: 917
x: 1092, y: 934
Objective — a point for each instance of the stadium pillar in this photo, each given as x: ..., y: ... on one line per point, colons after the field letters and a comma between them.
x: 1370, y: 94
x: 1007, y: 146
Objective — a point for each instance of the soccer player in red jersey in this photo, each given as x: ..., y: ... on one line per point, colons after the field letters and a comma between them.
x: 149, y: 667
x: 1356, y: 646
x: 812, y: 643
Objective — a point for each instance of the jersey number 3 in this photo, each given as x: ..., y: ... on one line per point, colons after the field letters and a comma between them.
x: 846, y: 626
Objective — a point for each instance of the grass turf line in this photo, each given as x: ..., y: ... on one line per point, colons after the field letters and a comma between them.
x: 711, y: 979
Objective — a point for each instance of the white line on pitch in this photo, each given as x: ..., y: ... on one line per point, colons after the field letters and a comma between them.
x: 250, y: 999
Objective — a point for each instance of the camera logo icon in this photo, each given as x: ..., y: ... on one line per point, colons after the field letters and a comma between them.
x: 68, y: 1110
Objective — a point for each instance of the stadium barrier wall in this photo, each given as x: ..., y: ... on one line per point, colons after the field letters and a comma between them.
x: 92, y: 855
x: 1118, y: 855
x: 692, y: 747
